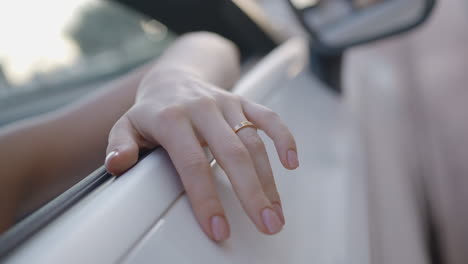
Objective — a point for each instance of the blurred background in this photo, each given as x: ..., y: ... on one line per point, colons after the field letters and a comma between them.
x: 53, y: 51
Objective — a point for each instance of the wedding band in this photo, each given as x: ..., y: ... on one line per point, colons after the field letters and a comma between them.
x: 242, y: 125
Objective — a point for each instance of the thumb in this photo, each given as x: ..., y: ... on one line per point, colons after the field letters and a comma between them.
x: 122, y: 149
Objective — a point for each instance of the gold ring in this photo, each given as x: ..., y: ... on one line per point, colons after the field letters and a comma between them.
x: 242, y: 125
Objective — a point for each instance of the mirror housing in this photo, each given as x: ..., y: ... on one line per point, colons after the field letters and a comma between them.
x: 335, y: 25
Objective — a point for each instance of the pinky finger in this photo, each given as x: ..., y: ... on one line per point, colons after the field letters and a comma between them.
x: 269, y: 121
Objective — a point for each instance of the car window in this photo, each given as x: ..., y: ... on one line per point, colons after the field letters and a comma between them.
x: 53, y: 51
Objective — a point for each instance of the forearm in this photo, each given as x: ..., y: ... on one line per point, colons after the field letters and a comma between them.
x: 42, y: 156
x: 208, y: 56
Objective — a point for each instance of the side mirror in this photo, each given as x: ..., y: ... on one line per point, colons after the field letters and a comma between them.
x: 335, y: 25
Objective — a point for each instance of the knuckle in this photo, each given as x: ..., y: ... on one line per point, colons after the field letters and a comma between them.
x: 119, y: 131
x: 194, y: 162
x: 165, y: 121
x: 270, y: 188
x: 255, y: 196
x: 236, y: 98
x: 270, y: 115
x: 170, y: 114
x: 254, y: 142
x: 205, y: 101
x: 208, y: 100
x: 286, y: 135
x: 113, y: 133
x: 227, y: 98
x: 120, y: 123
x: 237, y: 152
x: 208, y: 203
x: 224, y: 97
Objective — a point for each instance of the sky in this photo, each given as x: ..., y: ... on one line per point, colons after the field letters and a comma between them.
x: 32, y: 36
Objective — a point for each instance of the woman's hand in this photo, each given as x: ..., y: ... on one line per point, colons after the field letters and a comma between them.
x: 181, y: 113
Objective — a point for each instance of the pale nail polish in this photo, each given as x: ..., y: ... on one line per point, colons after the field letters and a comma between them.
x: 271, y: 221
x: 279, y: 211
x: 293, y: 162
x: 111, y: 155
x: 219, y: 228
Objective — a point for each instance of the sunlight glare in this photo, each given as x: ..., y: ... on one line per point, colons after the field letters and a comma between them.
x: 34, y: 38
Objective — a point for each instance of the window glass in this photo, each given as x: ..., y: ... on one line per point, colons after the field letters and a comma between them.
x: 52, y: 50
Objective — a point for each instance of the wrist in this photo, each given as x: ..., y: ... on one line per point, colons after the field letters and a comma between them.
x: 164, y: 78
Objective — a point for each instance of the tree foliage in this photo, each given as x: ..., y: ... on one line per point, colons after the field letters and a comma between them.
x: 102, y: 26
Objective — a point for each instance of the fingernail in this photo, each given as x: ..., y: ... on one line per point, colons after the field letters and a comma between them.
x: 110, y: 156
x: 271, y: 221
x: 219, y: 227
x: 292, y: 159
x: 279, y: 211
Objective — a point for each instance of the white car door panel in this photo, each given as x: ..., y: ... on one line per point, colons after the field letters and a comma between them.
x: 100, y: 228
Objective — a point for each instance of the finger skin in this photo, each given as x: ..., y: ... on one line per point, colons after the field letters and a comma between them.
x: 257, y: 151
x: 234, y: 115
x: 122, y: 149
x: 234, y: 158
x: 269, y: 121
x: 196, y: 175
